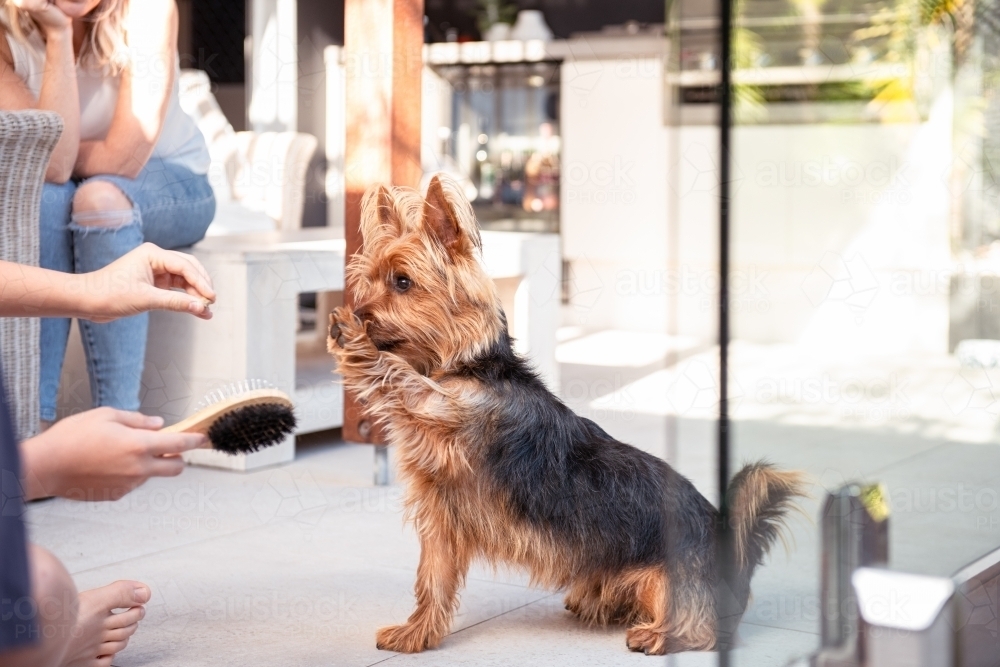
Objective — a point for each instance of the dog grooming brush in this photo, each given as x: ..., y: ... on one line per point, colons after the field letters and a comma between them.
x: 241, y: 418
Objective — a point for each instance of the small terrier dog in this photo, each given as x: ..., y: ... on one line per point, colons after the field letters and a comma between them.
x: 498, y: 468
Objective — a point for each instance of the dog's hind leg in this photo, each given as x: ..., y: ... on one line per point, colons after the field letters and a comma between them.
x: 600, y: 600
x: 583, y: 599
x: 442, y: 570
x: 652, y: 608
x: 693, y: 617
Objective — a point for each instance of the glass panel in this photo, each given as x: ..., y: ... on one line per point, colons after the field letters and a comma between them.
x: 864, y: 327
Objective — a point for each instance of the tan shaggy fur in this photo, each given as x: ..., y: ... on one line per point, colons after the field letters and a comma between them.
x: 395, y: 351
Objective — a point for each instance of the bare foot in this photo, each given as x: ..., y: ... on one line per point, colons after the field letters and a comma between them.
x: 100, y: 633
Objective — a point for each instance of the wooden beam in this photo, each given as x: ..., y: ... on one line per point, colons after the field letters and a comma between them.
x: 383, y: 59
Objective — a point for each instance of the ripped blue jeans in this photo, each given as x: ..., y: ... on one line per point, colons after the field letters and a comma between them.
x: 171, y: 207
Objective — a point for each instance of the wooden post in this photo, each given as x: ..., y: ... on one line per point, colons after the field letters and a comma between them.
x: 383, y: 57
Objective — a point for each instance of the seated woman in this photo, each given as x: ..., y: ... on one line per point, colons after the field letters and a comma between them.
x: 130, y: 165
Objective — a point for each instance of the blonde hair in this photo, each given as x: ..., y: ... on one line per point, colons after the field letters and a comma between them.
x: 104, y: 44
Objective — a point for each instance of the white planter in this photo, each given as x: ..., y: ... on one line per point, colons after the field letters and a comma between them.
x: 530, y: 25
x: 498, y: 32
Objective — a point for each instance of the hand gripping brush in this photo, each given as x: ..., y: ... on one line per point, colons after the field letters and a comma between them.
x: 241, y: 418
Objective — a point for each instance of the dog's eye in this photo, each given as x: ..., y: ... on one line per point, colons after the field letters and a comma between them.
x: 402, y: 283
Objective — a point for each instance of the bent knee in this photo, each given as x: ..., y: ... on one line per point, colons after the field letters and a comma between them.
x: 50, y: 581
x: 100, y: 204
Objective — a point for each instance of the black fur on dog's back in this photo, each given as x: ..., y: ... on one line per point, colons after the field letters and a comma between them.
x: 566, y: 475
x: 614, y: 505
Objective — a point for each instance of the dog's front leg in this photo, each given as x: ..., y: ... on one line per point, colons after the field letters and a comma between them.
x: 441, y: 573
x: 364, y: 369
x: 393, y: 390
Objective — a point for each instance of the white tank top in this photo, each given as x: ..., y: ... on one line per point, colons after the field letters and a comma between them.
x: 180, y: 140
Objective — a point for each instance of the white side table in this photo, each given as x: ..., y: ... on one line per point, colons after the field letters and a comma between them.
x: 258, y: 278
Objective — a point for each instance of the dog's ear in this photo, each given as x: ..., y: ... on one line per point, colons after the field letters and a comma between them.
x: 379, y: 219
x: 448, y: 217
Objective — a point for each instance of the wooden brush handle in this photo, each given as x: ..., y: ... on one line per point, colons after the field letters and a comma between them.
x: 202, y: 420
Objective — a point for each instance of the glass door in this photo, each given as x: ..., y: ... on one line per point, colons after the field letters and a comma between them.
x: 863, y: 343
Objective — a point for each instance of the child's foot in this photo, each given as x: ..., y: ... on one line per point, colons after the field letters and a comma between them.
x: 100, y: 633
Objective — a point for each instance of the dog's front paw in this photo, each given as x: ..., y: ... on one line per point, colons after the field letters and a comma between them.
x: 408, y: 638
x: 348, y: 337
x: 344, y: 326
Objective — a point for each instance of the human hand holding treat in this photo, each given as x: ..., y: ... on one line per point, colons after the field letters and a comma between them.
x: 147, y: 278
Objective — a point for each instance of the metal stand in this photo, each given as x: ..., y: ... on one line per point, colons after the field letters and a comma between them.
x: 855, y: 534
x: 875, y: 617
x: 977, y: 612
x: 906, y: 619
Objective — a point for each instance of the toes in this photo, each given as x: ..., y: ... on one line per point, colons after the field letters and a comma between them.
x: 111, y: 648
x: 341, y: 322
x: 125, y: 618
x: 120, y: 595
x: 120, y: 634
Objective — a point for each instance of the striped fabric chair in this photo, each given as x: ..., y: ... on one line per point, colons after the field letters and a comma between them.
x: 27, y: 139
x: 258, y: 177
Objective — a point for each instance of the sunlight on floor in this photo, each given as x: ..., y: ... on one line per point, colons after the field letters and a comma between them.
x: 927, y: 395
x: 631, y: 349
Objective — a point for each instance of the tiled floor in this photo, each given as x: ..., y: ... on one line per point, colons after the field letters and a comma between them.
x: 299, y: 565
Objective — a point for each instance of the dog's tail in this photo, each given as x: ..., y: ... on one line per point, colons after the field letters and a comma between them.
x: 760, y: 496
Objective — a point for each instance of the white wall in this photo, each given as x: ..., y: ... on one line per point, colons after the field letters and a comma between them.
x: 613, y: 192
x: 839, y: 231
x: 335, y: 135
x: 841, y: 234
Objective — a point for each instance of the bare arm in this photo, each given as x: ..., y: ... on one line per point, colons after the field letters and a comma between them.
x: 101, y: 454
x: 145, y: 279
x: 59, y: 91
x: 143, y: 97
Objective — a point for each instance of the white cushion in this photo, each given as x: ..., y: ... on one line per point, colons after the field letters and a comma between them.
x: 232, y: 218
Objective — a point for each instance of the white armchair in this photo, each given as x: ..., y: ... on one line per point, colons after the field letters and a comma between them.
x: 258, y: 177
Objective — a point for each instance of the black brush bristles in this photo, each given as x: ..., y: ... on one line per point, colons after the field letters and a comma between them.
x: 253, y: 427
